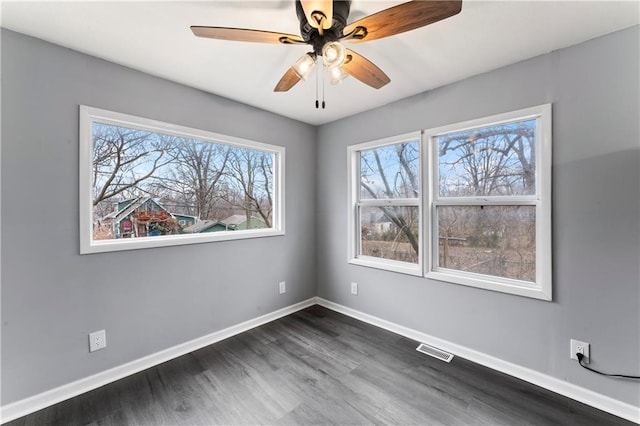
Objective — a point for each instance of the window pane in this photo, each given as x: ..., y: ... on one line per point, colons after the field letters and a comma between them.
x: 148, y: 184
x: 488, y: 161
x: 491, y: 240
x: 390, y: 232
x: 390, y: 171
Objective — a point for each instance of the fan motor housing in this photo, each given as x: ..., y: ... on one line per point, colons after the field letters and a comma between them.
x: 313, y: 37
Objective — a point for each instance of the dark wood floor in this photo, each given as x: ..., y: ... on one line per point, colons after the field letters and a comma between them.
x: 318, y: 367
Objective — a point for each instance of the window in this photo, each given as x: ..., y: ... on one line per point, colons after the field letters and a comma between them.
x: 145, y: 183
x: 490, y: 195
x: 385, y: 205
x: 487, y: 216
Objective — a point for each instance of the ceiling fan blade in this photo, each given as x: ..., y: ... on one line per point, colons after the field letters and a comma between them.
x: 288, y: 80
x: 403, y: 17
x: 364, y: 70
x: 325, y: 7
x: 241, y: 34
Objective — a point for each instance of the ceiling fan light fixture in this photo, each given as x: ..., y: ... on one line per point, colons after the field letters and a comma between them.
x: 333, y: 54
x: 337, y: 75
x: 304, y: 65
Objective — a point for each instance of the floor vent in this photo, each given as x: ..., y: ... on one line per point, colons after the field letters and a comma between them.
x: 435, y: 352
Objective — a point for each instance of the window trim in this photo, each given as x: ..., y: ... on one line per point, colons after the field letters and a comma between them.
x: 542, y: 287
x: 354, y: 204
x: 89, y: 115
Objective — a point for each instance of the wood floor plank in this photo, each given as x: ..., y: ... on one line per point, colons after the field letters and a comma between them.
x: 317, y: 366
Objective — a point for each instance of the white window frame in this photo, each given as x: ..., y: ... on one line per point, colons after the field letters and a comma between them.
x: 542, y: 287
x: 355, y: 203
x: 90, y: 115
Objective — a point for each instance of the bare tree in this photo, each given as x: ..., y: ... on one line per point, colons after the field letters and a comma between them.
x: 398, y: 178
x: 494, y: 161
x: 124, y: 158
x: 499, y: 160
x: 250, y: 174
x: 196, y: 176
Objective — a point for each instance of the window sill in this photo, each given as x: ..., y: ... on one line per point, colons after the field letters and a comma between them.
x: 388, y: 265
x: 502, y: 285
x: 102, y: 246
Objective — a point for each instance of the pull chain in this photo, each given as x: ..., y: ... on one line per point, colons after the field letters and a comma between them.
x: 317, y: 78
x: 323, y: 73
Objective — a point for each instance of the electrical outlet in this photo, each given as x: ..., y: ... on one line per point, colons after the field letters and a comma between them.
x: 282, y: 287
x: 580, y: 347
x: 97, y: 340
x: 354, y: 289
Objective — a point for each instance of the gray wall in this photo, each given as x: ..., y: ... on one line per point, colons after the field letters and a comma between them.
x: 594, y: 89
x: 151, y: 299
x: 147, y: 300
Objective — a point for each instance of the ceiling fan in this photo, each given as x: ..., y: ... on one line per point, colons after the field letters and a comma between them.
x: 323, y: 26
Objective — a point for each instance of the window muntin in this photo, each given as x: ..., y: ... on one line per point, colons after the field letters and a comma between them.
x: 141, y: 178
x: 490, y: 214
x: 385, y: 207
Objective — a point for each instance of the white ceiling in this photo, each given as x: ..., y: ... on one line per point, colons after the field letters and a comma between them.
x: 154, y: 37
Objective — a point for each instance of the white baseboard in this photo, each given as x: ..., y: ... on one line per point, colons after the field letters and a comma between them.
x: 37, y: 402
x: 570, y: 390
x: 45, y: 399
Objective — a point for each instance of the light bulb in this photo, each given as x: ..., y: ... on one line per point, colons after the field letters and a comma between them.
x: 304, y: 65
x: 333, y: 54
x: 337, y: 74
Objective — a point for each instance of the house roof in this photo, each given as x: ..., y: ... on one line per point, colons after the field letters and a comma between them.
x: 184, y: 215
x: 235, y: 219
x: 203, y: 225
x: 200, y: 226
x: 125, y: 208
